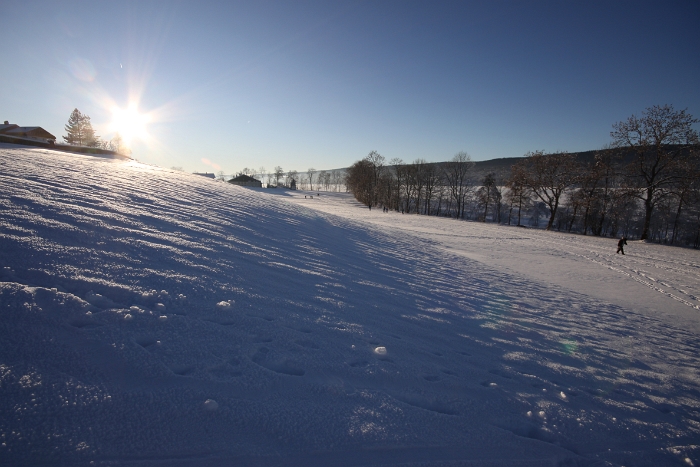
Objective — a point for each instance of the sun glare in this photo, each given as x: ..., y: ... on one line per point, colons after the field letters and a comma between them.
x: 129, y: 123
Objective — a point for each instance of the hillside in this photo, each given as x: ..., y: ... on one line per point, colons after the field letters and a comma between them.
x: 152, y: 317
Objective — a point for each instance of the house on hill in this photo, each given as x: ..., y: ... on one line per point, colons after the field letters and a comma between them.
x: 35, y: 133
x: 245, y: 180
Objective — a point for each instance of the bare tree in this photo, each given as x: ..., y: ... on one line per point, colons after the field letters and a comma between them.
x: 431, y: 176
x: 359, y: 181
x: 548, y: 176
x: 321, y: 179
x: 310, y: 175
x: 456, y: 174
x: 489, y: 182
x: 394, y: 196
x: 278, y: 173
x: 376, y: 161
x: 685, y: 188
x: 336, y: 179
x: 518, y: 193
x: 292, y: 176
x: 659, y: 139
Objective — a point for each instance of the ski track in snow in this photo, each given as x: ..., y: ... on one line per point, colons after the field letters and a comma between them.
x: 153, y: 317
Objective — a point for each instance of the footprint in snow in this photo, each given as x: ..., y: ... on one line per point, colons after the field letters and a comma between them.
x: 224, y: 372
x: 308, y: 344
x: 264, y: 358
x: 182, y: 370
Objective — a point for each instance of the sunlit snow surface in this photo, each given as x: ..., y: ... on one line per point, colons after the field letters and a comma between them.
x: 152, y: 317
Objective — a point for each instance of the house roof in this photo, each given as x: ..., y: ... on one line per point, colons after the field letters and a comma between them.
x: 7, y: 126
x: 31, y: 131
x: 244, y: 178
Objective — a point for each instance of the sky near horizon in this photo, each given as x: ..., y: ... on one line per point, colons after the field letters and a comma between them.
x: 303, y: 84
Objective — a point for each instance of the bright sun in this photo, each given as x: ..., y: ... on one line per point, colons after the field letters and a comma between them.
x: 129, y: 123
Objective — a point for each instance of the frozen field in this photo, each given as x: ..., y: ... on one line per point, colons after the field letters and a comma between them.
x: 155, y: 318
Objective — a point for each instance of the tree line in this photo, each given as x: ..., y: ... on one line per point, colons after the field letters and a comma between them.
x: 645, y: 184
x: 79, y: 132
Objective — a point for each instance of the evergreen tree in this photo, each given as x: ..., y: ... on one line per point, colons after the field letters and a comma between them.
x: 79, y: 130
x: 74, y: 129
x: 91, y: 139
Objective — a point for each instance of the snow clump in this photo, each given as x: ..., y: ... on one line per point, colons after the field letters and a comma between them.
x: 210, y: 405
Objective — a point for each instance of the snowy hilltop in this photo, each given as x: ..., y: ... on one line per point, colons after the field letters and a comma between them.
x: 152, y: 317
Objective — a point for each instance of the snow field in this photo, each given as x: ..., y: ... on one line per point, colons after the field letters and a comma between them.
x: 152, y: 316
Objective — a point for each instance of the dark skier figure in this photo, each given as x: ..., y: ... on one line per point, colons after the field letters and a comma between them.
x: 620, y: 244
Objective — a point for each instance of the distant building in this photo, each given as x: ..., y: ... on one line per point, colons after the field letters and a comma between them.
x: 245, y: 180
x: 35, y: 133
x: 206, y: 174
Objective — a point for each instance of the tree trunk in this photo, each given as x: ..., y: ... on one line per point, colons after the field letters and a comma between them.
x: 648, y: 208
x: 551, y: 218
x: 675, y: 221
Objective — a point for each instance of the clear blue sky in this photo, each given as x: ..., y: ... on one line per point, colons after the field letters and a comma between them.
x: 304, y: 84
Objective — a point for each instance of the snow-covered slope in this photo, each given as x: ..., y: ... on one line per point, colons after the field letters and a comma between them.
x: 151, y: 317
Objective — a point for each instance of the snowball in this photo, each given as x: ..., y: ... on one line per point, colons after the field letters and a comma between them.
x: 223, y: 304
x: 563, y: 396
x: 380, y: 350
x: 210, y: 405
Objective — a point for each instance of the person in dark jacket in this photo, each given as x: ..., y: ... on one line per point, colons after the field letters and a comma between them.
x: 620, y: 244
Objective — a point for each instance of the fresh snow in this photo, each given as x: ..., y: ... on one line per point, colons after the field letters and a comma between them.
x: 152, y: 317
